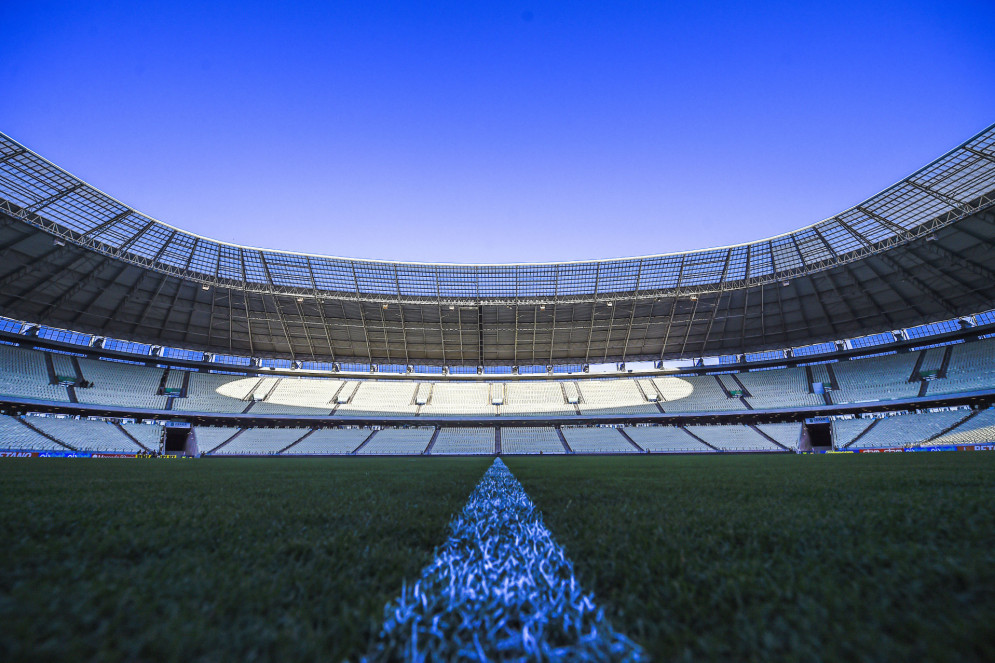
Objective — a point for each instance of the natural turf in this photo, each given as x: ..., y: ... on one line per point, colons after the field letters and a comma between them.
x: 856, y: 557
x: 803, y: 558
x: 251, y: 559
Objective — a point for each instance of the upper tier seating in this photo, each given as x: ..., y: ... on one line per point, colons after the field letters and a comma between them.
x: 875, y: 379
x: 115, y: 383
x: 452, y: 399
x: 908, y: 429
x: 86, y: 434
x: 971, y: 368
x: 532, y: 398
x: 778, y: 388
x: 700, y: 393
x: 23, y: 373
x: 303, y: 396
x: 666, y: 439
x: 464, y: 441
x: 407, y: 441
x: 600, y: 440
x: 15, y: 436
x: 212, y: 392
x: 734, y: 438
x: 979, y: 429
x: 261, y: 441
x: 530, y: 440
x: 613, y: 396
x: 381, y: 398
x: 326, y: 441
x: 932, y: 359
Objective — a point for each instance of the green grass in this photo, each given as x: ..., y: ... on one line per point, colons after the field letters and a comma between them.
x: 856, y: 557
x: 236, y: 559
x: 802, y: 558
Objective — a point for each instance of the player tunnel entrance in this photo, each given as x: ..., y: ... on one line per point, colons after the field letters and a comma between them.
x: 177, y: 439
x: 817, y: 435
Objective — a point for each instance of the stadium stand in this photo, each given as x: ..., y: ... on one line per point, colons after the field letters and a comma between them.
x: 666, y: 439
x: 261, y: 441
x: 401, y: 441
x: 209, y: 438
x: 733, y: 438
x: 785, y: 434
x: 598, y: 440
x: 778, y: 388
x: 465, y: 441
x: 526, y: 399
x: 971, y: 367
x: 304, y: 396
x: 845, y: 431
x: 700, y: 393
x: 613, y: 396
x: 453, y: 399
x: 210, y: 392
x: 174, y: 379
x: 329, y: 441
x: 977, y: 429
x: 875, y: 379
x: 908, y: 429
x: 381, y: 398
x: 347, y: 391
x: 86, y: 434
x: 530, y: 440
x: 932, y: 360
x: 63, y: 366
x: 24, y: 373
x: 120, y: 384
x: 148, y: 435
x: 15, y: 436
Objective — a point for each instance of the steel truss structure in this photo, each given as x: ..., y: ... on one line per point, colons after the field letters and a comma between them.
x: 73, y: 257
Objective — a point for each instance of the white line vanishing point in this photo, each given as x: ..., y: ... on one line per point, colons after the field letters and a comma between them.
x: 499, y: 588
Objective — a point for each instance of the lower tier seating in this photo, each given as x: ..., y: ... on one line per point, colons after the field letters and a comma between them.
x: 464, y: 441
x: 734, y: 438
x: 666, y: 439
x: 530, y: 440
x: 15, y: 436
x: 398, y: 441
x: 87, y: 434
x: 598, y: 440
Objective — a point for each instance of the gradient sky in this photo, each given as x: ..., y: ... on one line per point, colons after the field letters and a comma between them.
x: 494, y: 131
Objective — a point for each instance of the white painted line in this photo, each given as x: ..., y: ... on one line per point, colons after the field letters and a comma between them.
x: 499, y: 588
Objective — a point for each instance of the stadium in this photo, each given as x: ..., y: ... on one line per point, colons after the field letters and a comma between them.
x: 753, y: 451
x: 817, y: 338
x: 869, y: 331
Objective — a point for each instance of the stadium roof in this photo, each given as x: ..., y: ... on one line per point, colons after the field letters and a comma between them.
x: 76, y: 258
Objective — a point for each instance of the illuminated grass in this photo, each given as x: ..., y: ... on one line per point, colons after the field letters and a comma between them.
x: 227, y: 559
x: 841, y: 558
x: 499, y: 589
x: 724, y: 557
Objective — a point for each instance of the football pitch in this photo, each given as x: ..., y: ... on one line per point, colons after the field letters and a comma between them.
x: 724, y: 557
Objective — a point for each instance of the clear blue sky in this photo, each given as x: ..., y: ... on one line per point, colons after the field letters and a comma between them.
x: 494, y: 131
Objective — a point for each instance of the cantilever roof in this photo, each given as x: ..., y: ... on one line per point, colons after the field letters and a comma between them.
x: 919, y: 251
x: 953, y: 186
